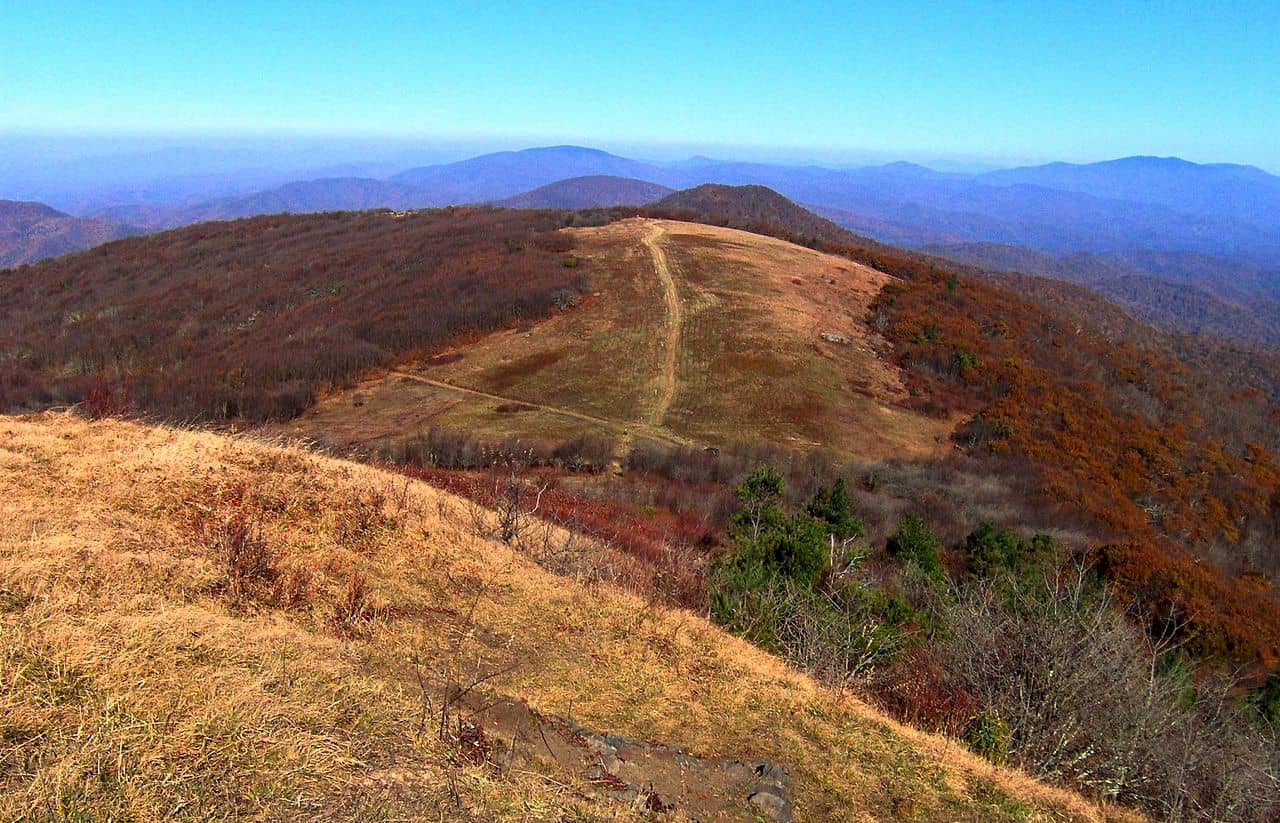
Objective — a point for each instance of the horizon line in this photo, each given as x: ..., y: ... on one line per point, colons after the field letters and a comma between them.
x: 668, y: 151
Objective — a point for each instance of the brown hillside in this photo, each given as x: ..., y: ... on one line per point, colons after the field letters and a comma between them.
x: 251, y: 319
x: 150, y: 671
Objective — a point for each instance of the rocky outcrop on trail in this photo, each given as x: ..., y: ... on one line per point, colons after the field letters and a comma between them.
x: 648, y: 777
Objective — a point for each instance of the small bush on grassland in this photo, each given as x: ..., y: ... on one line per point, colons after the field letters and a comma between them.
x: 356, y: 608
x: 249, y: 562
x: 832, y: 506
x: 102, y: 399
x: 585, y: 453
x: 993, y: 552
x: 837, y: 640
x: 13, y: 600
x: 916, y: 689
x: 445, y: 448
x: 988, y: 736
x: 294, y: 587
x: 229, y: 524
x: 769, y: 541
x: 364, y: 518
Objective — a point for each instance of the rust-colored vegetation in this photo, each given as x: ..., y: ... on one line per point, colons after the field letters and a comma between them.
x: 253, y: 319
x: 1118, y: 436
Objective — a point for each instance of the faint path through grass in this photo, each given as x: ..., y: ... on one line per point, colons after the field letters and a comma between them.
x: 625, y: 426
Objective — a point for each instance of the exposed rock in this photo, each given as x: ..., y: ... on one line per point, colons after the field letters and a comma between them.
x: 645, y: 776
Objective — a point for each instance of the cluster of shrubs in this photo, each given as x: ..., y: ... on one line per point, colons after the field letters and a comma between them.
x: 441, y: 447
x: 1004, y: 641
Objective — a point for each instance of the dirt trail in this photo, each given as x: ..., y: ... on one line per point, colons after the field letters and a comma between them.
x: 651, y: 426
x: 667, y: 379
x: 587, y: 418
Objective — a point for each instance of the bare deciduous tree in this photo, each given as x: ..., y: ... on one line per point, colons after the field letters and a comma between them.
x: 1091, y: 700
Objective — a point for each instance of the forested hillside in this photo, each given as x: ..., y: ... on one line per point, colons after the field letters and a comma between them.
x: 251, y: 320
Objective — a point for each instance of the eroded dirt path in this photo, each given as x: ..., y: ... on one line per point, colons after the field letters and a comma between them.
x: 671, y: 342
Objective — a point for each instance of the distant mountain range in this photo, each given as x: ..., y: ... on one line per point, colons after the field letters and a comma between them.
x: 327, y: 194
x: 1127, y: 205
x: 33, y: 231
x: 1219, y: 190
x: 1195, y: 247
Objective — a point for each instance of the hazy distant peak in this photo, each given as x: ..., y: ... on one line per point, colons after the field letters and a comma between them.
x: 27, y: 210
x: 908, y: 166
x: 1151, y: 161
x: 588, y: 191
x: 567, y: 150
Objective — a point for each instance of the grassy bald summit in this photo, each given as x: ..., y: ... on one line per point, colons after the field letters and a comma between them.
x: 688, y: 334
x: 753, y: 206
x: 225, y: 629
x: 33, y: 231
x: 586, y: 192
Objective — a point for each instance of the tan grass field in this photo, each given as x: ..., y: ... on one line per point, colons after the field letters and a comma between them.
x: 691, y: 334
x: 140, y: 681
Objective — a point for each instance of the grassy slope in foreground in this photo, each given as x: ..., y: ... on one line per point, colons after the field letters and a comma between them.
x: 133, y: 686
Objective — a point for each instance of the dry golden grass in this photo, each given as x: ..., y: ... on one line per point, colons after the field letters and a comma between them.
x: 135, y: 684
x: 749, y: 363
x: 753, y: 364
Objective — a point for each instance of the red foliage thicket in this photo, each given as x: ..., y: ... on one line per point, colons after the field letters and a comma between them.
x: 251, y: 319
x: 671, y: 544
x: 1118, y: 437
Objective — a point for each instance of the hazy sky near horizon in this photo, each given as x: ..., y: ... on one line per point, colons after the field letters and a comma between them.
x: 1062, y: 80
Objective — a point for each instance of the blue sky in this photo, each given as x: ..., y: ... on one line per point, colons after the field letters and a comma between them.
x: 1003, y: 81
